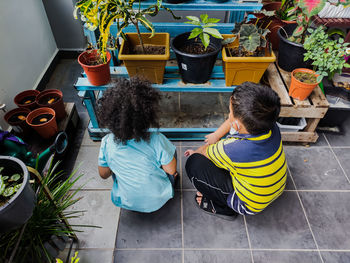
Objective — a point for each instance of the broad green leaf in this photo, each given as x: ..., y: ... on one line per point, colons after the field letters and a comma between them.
x: 213, y: 20
x: 17, y: 187
x: 212, y: 31
x: 205, y: 38
x: 9, y: 191
x: 228, y: 40
x: 5, y: 178
x: 15, y: 177
x: 210, y: 25
x: 193, y: 23
x: 319, y: 78
x: 193, y: 18
x: 195, y: 32
x: 204, y: 18
x: 1, y: 169
x: 347, y: 65
x: 2, y: 185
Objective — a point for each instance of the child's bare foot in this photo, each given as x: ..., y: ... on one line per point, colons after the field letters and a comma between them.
x: 199, y: 197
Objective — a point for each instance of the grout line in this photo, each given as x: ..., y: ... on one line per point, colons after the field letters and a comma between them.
x: 318, y: 190
x: 307, y: 219
x: 336, y: 157
x: 227, y: 249
x: 248, y: 237
x: 181, y: 210
x: 92, y: 189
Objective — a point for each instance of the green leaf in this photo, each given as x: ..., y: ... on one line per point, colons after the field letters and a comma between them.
x: 193, y: 23
x: 9, y: 191
x: 204, y: 18
x: 341, y: 40
x: 319, y: 78
x: 213, y: 32
x: 347, y: 65
x: 1, y: 169
x: 15, y: 177
x: 2, y: 185
x: 193, y: 18
x: 17, y: 187
x: 5, y: 178
x: 228, y: 40
x: 209, y: 25
x: 205, y: 38
x: 195, y: 32
x: 213, y: 20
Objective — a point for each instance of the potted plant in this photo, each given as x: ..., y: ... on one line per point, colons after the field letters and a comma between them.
x: 17, y: 119
x: 292, y: 37
x: 247, y: 54
x: 196, y: 51
x: 144, y: 54
x: 43, y: 121
x: 52, y: 98
x: 26, y: 99
x: 46, y: 220
x: 17, y: 198
x: 303, y: 82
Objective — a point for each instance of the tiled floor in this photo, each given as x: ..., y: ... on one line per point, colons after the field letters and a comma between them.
x: 308, y: 223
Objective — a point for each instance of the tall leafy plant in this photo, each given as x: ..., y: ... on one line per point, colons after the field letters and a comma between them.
x: 102, y: 14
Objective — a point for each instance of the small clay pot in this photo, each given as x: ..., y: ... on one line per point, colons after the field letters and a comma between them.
x: 19, y: 126
x: 22, y: 97
x: 300, y: 90
x: 58, y: 105
x: 46, y: 129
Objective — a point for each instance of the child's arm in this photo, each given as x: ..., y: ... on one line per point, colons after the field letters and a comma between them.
x: 170, y: 168
x: 104, y: 172
x: 219, y: 133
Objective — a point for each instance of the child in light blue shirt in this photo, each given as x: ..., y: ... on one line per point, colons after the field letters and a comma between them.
x: 142, y: 163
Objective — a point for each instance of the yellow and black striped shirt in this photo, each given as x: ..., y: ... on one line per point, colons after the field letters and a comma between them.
x: 258, y: 168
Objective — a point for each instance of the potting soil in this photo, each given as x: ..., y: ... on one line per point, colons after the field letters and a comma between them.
x: 149, y: 50
x: 42, y: 118
x: 240, y: 52
x: 20, y: 116
x: 196, y: 48
x: 49, y: 100
x: 27, y: 100
x: 305, y: 77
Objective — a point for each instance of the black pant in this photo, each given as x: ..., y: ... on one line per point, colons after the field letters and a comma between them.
x: 213, y: 182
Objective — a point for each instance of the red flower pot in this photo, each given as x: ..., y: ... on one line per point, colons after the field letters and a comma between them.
x: 26, y: 99
x: 97, y: 75
x: 18, y: 125
x: 46, y: 129
x: 300, y: 90
x: 52, y: 98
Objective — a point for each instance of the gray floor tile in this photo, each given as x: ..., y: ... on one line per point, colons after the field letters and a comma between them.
x: 217, y: 256
x: 340, y: 139
x: 329, y: 214
x: 149, y: 256
x: 99, y: 211
x: 186, y: 183
x: 315, y: 169
x: 206, y: 231
x: 160, y: 229
x: 88, y: 142
x: 88, y: 161
x: 281, y: 225
x: 90, y: 255
x: 286, y: 257
x: 343, y: 155
x: 192, y: 144
x: 336, y: 257
x: 321, y: 141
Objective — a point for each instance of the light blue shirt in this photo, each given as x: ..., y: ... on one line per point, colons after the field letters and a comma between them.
x: 140, y: 184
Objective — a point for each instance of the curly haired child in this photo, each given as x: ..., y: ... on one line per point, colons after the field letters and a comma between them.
x: 244, y: 173
x: 142, y: 163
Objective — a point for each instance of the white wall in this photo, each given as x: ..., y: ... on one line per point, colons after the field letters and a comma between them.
x: 27, y: 47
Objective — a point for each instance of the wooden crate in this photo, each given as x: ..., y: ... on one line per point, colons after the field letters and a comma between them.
x: 312, y: 109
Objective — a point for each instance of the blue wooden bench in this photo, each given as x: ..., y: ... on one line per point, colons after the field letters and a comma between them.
x: 172, y: 81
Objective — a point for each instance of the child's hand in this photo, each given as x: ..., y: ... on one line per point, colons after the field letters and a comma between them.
x: 189, y: 152
x: 211, y: 138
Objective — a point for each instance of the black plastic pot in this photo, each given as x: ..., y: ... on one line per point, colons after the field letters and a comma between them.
x: 195, y: 68
x: 290, y: 54
x: 20, y: 207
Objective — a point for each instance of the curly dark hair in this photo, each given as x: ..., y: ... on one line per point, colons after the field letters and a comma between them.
x: 128, y: 109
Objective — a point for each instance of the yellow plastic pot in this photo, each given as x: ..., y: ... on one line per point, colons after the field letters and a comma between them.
x: 151, y: 67
x: 240, y: 69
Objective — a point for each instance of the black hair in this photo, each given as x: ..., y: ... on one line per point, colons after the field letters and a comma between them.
x: 128, y: 109
x: 256, y: 106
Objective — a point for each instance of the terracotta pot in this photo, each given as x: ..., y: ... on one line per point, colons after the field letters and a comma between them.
x: 19, y: 99
x: 300, y: 90
x: 58, y: 105
x: 149, y: 66
x: 19, y: 126
x: 97, y: 75
x: 47, y: 129
x: 240, y: 69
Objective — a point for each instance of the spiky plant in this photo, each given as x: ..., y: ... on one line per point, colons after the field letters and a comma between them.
x: 46, y: 219
x: 102, y: 14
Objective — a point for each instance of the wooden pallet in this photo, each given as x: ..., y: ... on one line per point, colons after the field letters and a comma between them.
x: 312, y: 109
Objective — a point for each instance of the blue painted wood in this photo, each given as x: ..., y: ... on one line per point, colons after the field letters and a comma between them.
x: 169, y: 85
x: 90, y: 102
x: 237, y: 16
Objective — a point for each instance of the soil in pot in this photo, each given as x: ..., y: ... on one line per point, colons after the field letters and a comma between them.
x: 240, y: 52
x: 149, y: 50
x: 42, y: 118
x: 27, y: 100
x: 305, y: 77
x: 18, y: 117
x: 49, y: 100
x: 196, y: 49
x: 10, y: 183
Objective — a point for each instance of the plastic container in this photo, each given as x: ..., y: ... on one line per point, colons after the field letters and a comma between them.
x: 290, y: 127
x: 195, y: 68
x: 20, y: 97
x: 47, y: 129
x: 57, y: 106
x: 19, y: 126
x: 290, y: 54
x: 97, y: 75
x: 300, y: 90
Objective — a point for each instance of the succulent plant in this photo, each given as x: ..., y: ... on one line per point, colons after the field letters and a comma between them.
x: 9, y: 185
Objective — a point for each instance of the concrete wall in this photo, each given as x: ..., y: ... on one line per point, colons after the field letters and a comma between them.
x: 67, y: 31
x: 27, y: 48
